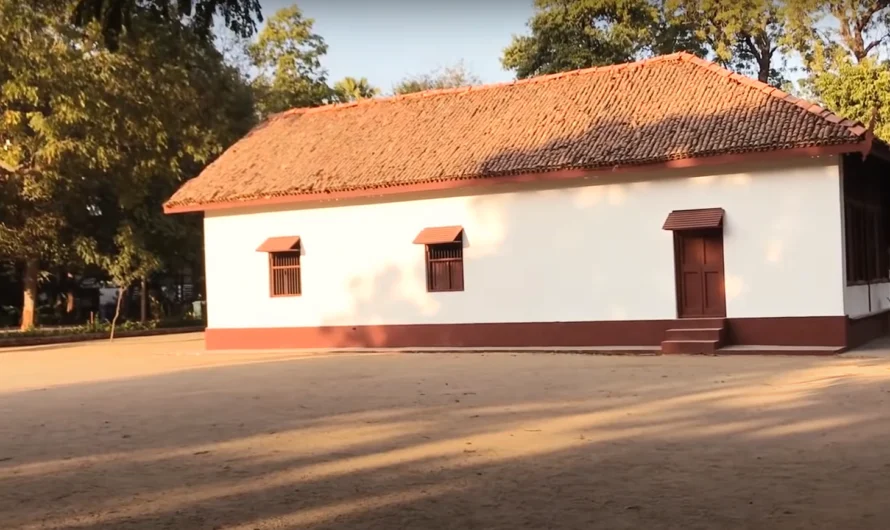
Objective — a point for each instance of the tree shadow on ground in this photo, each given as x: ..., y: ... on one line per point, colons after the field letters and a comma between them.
x: 456, y: 441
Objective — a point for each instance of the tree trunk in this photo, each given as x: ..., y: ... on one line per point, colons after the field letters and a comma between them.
x: 143, y: 301
x: 70, y: 297
x: 764, y: 63
x: 763, y: 75
x: 117, y: 311
x: 29, y: 299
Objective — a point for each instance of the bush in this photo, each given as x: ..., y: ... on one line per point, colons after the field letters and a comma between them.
x: 103, y: 327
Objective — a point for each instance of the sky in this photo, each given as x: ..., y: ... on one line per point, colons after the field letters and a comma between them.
x: 388, y: 40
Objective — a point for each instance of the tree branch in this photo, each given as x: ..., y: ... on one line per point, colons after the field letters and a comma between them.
x: 753, y: 48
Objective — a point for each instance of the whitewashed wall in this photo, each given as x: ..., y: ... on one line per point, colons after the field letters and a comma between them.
x: 569, y: 254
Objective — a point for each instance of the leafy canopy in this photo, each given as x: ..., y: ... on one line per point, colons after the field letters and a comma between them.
x: 93, y: 141
x: 449, y: 77
x: 743, y: 35
x: 352, y: 89
x: 859, y: 92
x: 287, y: 56
x: 239, y: 16
x: 574, y: 34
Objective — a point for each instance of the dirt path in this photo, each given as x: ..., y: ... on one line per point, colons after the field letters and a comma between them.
x: 152, y: 433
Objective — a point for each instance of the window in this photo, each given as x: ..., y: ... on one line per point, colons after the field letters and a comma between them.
x: 284, y: 273
x: 284, y: 265
x: 445, y: 267
x: 866, y: 248
x: 444, y: 257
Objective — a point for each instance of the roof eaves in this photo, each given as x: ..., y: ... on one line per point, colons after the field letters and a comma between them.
x: 679, y: 161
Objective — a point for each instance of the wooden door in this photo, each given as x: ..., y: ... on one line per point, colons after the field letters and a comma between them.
x: 699, y: 266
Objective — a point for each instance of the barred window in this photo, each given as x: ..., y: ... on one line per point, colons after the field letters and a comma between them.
x: 867, y: 258
x: 284, y: 273
x: 445, y: 267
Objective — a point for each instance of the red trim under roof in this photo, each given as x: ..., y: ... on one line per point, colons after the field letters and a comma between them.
x: 280, y: 244
x: 561, y: 175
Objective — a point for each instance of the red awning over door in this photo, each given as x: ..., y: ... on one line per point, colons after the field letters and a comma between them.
x: 694, y: 219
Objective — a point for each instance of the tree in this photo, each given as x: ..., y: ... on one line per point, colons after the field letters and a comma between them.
x: 287, y: 56
x: 48, y: 109
x: 863, y: 25
x: 352, y: 89
x: 830, y: 32
x: 859, y: 92
x: 744, y: 36
x: 128, y: 261
x: 186, y: 114
x: 94, y: 141
x: 573, y: 34
x: 240, y: 16
x: 449, y: 77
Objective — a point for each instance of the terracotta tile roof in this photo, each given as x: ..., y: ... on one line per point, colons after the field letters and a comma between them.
x: 666, y: 108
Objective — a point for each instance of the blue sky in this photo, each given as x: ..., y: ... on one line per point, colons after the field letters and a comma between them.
x: 387, y: 40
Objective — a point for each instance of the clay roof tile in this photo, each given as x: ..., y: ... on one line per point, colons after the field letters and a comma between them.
x: 661, y: 109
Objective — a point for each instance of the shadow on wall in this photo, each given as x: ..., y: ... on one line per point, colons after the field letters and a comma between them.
x: 455, y: 441
x: 509, y: 272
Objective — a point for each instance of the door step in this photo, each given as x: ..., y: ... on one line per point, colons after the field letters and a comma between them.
x: 695, y: 335
x: 690, y: 346
x: 681, y: 334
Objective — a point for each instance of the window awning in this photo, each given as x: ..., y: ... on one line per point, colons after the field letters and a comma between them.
x: 694, y: 219
x: 439, y: 234
x: 280, y: 244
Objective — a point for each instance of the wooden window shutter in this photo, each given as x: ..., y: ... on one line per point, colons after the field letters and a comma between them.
x: 284, y: 273
x: 445, y: 267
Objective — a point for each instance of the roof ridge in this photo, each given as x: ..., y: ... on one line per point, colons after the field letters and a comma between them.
x: 855, y: 127
x: 475, y: 88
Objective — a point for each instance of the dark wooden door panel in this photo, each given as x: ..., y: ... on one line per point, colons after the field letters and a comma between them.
x: 700, y: 284
x: 713, y: 299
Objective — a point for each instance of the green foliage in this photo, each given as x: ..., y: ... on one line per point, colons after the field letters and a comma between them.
x: 352, y: 89
x: 127, y: 261
x: 828, y: 33
x: 862, y: 25
x: 573, y: 34
x: 240, y: 16
x: 94, y: 141
x: 48, y: 137
x: 101, y: 328
x: 744, y: 36
x: 857, y: 92
x: 450, y: 77
x: 287, y: 55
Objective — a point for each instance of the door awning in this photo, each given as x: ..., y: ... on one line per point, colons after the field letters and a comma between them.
x: 439, y: 234
x: 280, y: 244
x: 694, y: 219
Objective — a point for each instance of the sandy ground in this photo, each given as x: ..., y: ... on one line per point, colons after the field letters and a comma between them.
x: 154, y: 433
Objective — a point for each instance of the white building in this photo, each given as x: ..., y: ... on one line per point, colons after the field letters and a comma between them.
x: 660, y: 204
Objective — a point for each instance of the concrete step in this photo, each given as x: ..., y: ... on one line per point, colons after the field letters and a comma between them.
x: 695, y: 334
x: 690, y: 346
x: 698, y: 323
